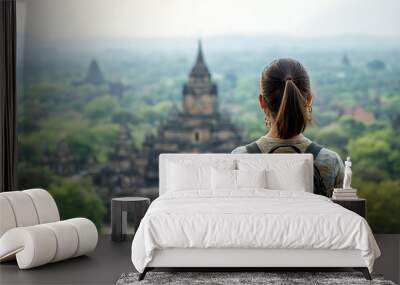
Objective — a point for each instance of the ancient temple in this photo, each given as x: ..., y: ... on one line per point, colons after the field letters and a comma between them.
x: 94, y: 75
x: 123, y: 173
x: 199, y: 127
x: 61, y: 161
x: 346, y: 60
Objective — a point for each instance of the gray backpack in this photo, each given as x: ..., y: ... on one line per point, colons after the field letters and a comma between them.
x: 313, y: 148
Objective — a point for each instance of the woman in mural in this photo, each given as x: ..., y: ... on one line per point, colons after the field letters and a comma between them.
x: 286, y: 100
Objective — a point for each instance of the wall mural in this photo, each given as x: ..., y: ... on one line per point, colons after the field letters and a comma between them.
x: 95, y: 112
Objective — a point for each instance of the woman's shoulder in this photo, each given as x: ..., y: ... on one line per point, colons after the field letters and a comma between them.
x: 252, y: 147
x: 239, y: 150
x: 331, y: 168
x: 329, y: 155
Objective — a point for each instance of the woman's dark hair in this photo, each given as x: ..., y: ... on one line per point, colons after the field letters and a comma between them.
x: 285, y: 86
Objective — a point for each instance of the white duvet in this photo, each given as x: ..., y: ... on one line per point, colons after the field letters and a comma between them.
x: 255, y: 218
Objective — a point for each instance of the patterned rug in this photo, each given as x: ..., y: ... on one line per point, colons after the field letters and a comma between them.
x: 243, y: 278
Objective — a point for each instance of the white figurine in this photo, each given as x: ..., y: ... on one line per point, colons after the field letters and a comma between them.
x: 347, y: 174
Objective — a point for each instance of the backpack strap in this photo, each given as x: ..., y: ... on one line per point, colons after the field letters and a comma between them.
x: 253, y: 148
x: 296, y: 149
x: 314, y: 149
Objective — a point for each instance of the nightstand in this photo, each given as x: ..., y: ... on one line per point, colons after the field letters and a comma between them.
x: 358, y: 206
x: 119, y: 212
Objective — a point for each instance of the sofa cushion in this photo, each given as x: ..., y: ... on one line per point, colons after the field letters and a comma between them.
x: 7, y: 220
x: 32, y: 246
x: 41, y: 244
x: 23, y: 208
x: 67, y: 239
x: 46, y: 207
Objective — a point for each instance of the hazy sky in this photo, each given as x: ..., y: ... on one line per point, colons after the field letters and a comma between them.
x: 193, y: 18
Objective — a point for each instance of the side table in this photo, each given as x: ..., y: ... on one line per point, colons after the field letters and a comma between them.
x: 358, y: 205
x: 119, y: 214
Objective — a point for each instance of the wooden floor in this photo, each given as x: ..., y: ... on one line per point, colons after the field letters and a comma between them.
x: 389, y: 263
x: 103, y: 266
x: 110, y: 260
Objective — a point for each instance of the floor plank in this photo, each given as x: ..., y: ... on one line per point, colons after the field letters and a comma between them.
x: 389, y: 262
x: 103, y: 266
x: 111, y: 259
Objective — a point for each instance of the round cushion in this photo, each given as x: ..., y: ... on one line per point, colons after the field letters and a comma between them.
x: 45, y: 205
x: 23, y: 208
x: 87, y: 235
x: 37, y: 245
x: 7, y: 220
x: 33, y: 246
x: 67, y: 240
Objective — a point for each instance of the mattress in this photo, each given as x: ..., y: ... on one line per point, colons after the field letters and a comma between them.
x: 250, y: 219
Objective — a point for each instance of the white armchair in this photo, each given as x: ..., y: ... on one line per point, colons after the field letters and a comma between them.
x: 31, y: 230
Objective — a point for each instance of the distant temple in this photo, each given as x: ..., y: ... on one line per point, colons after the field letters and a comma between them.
x: 346, y: 60
x: 94, y: 75
x: 199, y: 127
x: 61, y: 161
x: 123, y: 173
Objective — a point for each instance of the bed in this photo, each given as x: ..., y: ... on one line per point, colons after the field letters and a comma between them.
x: 247, y: 210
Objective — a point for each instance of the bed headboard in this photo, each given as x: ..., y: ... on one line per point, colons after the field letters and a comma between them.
x: 268, y: 159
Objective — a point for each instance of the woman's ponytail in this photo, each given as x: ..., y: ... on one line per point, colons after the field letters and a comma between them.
x: 291, y: 118
x: 285, y: 86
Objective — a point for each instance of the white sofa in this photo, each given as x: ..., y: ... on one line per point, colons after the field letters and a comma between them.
x: 31, y: 230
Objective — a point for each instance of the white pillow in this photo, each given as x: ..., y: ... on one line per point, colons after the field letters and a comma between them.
x: 227, y: 179
x: 293, y: 179
x: 181, y: 177
x: 189, y: 174
x: 251, y: 178
x: 280, y: 174
x: 223, y: 179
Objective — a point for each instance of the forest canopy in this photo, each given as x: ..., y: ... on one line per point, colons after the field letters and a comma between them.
x: 65, y: 116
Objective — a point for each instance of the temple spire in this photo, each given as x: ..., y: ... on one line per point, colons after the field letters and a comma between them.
x: 199, y: 53
x: 200, y: 69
